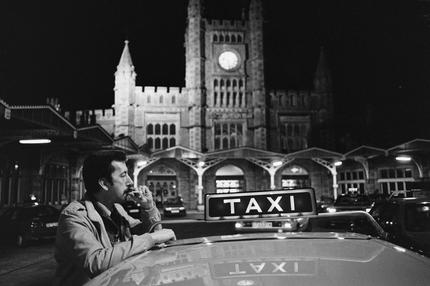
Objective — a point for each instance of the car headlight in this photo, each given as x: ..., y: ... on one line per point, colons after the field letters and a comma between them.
x: 331, y: 210
x: 368, y: 209
x: 168, y: 209
x: 181, y: 208
x: 238, y: 225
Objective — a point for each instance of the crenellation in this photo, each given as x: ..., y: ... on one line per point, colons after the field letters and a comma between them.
x: 225, y: 24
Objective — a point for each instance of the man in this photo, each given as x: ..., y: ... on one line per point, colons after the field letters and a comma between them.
x: 95, y: 233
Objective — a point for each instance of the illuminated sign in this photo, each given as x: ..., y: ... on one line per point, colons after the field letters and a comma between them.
x: 260, y: 204
x: 263, y: 268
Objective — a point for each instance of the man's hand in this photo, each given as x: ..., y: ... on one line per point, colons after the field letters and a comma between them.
x: 163, y: 235
x: 143, y: 196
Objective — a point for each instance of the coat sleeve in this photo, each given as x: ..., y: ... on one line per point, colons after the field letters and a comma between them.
x: 86, y: 248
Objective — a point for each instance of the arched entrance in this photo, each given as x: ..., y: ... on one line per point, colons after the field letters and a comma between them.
x: 229, y: 179
x: 162, y: 182
x: 295, y: 176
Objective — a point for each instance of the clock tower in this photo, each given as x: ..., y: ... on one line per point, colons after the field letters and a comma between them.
x: 225, y: 80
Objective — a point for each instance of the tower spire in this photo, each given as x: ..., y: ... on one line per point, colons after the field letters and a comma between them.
x: 322, y: 79
x: 125, y: 62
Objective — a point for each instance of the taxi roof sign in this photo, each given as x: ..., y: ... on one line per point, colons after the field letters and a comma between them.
x: 260, y: 204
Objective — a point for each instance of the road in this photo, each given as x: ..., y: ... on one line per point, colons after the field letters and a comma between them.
x: 35, y: 265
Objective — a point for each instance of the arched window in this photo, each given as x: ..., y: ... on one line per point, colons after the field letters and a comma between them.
x: 161, y: 99
x: 173, y: 99
x: 172, y: 129
x: 221, y: 38
x: 225, y: 142
x: 228, y: 99
x: 215, y: 38
x: 240, y: 83
x: 215, y: 83
x: 157, y: 128
x: 228, y: 83
x: 157, y: 143
x: 233, y: 142
x: 227, y: 38
x: 289, y: 130
x: 150, y: 129
x: 221, y: 83
x: 215, y: 98
x: 234, y: 83
x: 165, y: 143
x: 150, y: 142
x: 239, y: 38
x: 165, y: 129
x: 172, y: 142
x: 233, y: 38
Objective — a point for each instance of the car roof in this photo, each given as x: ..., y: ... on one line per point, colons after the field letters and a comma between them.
x: 408, y: 200
x: 273, y: 259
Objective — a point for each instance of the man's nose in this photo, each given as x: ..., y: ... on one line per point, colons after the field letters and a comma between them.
x: 129, y: 181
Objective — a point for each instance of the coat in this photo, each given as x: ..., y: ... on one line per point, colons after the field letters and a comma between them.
x: 83, y: 249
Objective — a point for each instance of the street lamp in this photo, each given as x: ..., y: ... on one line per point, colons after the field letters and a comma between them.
x: 201, y: 164
x: 338, y: 163
x: 35, y: 141
x: 276, y: 163
x: 141, y: 163
x: 403, y: 158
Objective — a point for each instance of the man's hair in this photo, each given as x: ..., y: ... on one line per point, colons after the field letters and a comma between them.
x: 99, y: 165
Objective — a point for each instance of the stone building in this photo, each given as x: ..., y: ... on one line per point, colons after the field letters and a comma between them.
x: 225, y: 105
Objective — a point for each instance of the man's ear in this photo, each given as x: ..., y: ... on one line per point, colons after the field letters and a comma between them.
x: 103, y: 183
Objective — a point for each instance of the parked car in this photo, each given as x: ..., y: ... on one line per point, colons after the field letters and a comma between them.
x: 133, y: 209
x: 407, y: 221
x: 351, y: 203
x: 326, y: 252
x: 22, y: 224
x: 174, y: 207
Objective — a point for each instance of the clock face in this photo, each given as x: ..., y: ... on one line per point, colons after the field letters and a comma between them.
x: 228, y: 60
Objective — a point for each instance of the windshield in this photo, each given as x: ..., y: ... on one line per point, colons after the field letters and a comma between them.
x: 417, y: 217
x: 173, y: 201
x: 358, y: 201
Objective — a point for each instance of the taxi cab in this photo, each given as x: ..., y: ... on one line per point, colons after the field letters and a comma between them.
x: 306, y: 248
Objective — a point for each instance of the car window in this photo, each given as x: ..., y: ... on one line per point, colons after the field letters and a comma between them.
x: 417, y: 217
x: 173, y: 201
x: 348, y: 223
x: 359, y: 200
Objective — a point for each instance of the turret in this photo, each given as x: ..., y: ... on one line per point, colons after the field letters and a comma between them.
x: 322, y: 79
x: 125, y: 84
x: 256, y: 85
x: 323, y: 103
x: 195, y: 73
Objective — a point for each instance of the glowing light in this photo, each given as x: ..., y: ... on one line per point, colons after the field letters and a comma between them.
x: 35, y: 141
x: 400, y: 249
x: 201, y: 164
x: 403, y: 158
x: 140, y: 164
x: 331, y: 210
x: 245, y: 283
x: 277, y: 163
x: 238, y: 225
x: 338, y: 163
x: 295, y: 169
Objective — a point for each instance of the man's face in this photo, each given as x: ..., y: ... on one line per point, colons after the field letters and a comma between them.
x: 121, y: 181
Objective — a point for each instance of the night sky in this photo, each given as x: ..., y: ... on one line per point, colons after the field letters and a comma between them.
x: 378, y: 51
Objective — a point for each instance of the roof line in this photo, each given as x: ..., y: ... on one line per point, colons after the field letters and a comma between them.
x: 21, y: 107
x: 408, y: 142
x: 365, y: 146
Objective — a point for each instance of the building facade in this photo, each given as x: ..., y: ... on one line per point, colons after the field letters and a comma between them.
x: 224, y: 105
